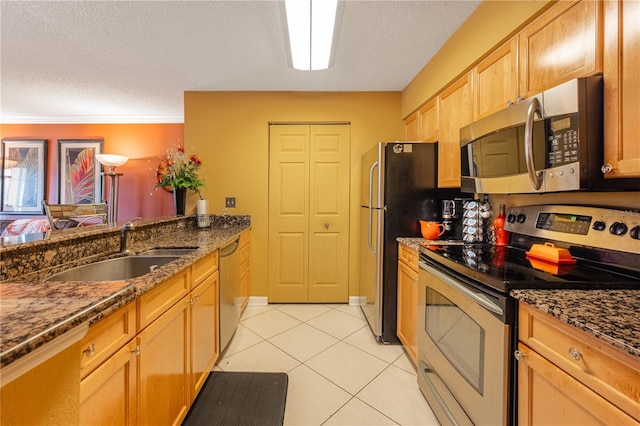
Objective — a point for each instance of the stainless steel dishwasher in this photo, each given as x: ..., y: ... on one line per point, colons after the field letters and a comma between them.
x: 230, y: 306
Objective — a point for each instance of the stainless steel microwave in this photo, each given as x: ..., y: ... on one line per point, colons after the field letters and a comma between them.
x: 547, y: 143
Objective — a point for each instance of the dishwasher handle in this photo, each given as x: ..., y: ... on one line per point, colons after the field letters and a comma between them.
x: 230, y: 248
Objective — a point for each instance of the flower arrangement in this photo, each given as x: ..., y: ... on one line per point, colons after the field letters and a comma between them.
x: 179, y: 171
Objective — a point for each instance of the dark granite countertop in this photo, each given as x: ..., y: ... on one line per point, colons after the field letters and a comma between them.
x: 34, y: 312
x: 609, y: 315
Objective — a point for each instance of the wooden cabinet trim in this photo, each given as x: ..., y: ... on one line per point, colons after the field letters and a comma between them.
x: 157, y: 301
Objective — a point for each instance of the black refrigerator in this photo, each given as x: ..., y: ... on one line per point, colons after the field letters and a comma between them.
x: 398, y: 189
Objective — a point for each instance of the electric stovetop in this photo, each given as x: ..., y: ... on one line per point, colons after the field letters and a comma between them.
x: 507, y: 268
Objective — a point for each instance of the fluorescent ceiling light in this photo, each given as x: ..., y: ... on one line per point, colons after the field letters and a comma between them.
x: 311, y: 25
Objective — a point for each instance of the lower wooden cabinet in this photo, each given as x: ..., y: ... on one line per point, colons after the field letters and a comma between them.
x: 163, y: 368
x: 108, y: 395
x: 152, y: 377
x: 204, y: 331
x: 567, y: 377
x: 407, y: 324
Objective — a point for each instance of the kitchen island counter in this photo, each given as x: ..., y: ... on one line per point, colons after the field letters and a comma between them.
x: 34, y: 312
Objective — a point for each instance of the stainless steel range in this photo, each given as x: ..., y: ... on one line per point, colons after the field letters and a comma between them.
x: 467, y: 319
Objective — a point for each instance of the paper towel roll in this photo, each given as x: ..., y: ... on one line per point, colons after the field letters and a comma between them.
x: 203, y: 206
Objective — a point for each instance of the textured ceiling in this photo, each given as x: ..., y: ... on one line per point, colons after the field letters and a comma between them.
x: 131, y: 61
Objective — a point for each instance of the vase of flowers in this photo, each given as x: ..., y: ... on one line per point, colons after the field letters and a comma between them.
x: 179, y: 172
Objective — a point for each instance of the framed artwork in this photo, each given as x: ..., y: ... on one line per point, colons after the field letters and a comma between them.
x: 79, y: 180
x: 23, y: 175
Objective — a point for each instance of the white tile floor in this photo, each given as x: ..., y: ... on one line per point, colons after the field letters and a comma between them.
x: 338, y: 374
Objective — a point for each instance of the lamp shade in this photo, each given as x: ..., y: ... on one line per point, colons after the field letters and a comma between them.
x: 111, y: 160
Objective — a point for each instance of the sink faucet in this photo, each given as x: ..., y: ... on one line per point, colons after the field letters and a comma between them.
x: 124, y: 235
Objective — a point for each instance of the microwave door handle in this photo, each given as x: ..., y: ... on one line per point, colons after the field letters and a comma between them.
x: 370, y: 237
x: 534, y: 177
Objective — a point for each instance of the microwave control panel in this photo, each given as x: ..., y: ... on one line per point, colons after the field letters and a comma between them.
x: 563, y: 140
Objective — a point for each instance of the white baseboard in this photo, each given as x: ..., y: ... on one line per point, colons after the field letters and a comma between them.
x: 357, y: 300
x: 258, y: 301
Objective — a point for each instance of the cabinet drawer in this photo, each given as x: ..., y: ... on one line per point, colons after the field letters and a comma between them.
x: 152, y: 304
x: 106, y: 336
x: 408, y: 256
x: 609, y: 372
x: 205, y: 267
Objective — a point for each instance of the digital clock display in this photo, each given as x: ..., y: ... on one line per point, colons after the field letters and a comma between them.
x: 564, y: 222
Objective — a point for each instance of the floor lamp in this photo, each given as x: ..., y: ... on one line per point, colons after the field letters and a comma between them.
x: 111, y: 161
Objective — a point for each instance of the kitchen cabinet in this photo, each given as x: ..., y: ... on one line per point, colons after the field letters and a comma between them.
x: 108, y: 396
x: 455, y: 109
x: 563, y: 43
x: 422, y: 125
x: 428, y: 121
x: 495, y: 80
x: 204, y: 336
x: 108, y: 370
x: 407, y: 324
x: 412, y: 127
x: 245, y: 269
x: 621, y: 89
x: 163, y: 368
x: 152, y: 377
x: 566, y: 376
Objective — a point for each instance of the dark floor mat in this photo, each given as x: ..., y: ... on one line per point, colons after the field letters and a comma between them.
x: 240, y: 398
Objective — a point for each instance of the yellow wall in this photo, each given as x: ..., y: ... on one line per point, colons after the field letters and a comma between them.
x: 229, y: 131
x: 49, y: 394
x: 490, y: 24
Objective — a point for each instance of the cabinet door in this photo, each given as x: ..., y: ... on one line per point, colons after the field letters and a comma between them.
x: 204, y: 331
x: 428, y: 119
x: 408, y: 310
x: 456, y: 111
x: 562, y: 44
x: 108, y: 395
x: 547, y: 395
x: 163, y: 366
x: 622, y: 88
x: 495, y: 80
x: 412, y: 127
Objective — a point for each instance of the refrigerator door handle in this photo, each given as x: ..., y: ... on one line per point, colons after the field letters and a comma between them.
x: 370, y: 238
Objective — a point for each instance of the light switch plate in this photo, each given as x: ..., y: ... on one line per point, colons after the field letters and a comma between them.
x: 230, y: 202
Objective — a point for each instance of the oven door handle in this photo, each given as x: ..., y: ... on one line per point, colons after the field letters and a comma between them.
x: 476, y: 296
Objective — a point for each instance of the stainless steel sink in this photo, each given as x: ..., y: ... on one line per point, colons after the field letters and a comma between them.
x: 167, y: 252
x: 121, y: 268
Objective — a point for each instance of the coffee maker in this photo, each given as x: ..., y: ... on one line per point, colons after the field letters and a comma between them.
x: 452, y: 211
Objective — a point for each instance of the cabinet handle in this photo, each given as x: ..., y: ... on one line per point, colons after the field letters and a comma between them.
x: 137, y: 350
x: 91, y: 349
x: 190, y: 301
x: 326, y: 225
x: 519, y: 355
x: 574, y: 354
x: 196, y: 297
x: 606, y: 168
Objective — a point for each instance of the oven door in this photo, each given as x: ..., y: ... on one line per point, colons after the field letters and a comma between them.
x: 464, y: 344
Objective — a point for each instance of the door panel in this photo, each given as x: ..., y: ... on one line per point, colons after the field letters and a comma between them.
x: 288, y: 213
x: 309, y: 213
x: 329, y: 214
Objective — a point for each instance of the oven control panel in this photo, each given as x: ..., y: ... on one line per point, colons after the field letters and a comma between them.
x: 608, y: 228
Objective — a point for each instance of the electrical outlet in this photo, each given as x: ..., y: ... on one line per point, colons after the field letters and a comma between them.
x: 230, y: 202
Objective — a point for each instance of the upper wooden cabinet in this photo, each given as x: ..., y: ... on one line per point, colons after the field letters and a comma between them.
x: 495, y: 80
x: 412, y: 127
x: 622, y: 88
x: 428, y: 119
x: 455, y: 108
x: 561, y: 44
